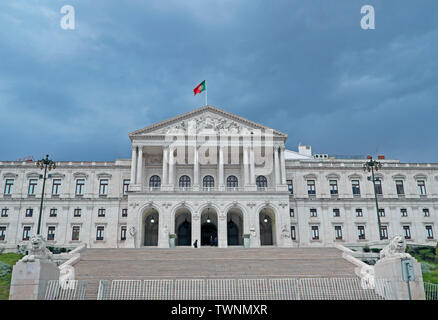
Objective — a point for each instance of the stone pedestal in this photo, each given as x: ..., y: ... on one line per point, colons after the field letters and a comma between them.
x: 29, y: 279
x: 390, y: 269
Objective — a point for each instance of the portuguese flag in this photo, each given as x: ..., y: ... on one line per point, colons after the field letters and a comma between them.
x: 201, y: 87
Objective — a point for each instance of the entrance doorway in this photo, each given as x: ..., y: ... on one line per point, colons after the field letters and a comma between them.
x: 267, y: 227
x: 234, y: 227
x: 208, y: 234
x: 150, y: 225
x: 183, y: 227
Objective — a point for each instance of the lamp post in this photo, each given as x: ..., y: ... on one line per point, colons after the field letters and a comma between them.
x: 370, y: 166
x: 45, y: 164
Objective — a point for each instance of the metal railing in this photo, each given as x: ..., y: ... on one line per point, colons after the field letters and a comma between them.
x: 431, y: 291
x: 66, y: 290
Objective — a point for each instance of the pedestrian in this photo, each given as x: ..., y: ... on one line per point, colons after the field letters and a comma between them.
x: 195, y: 244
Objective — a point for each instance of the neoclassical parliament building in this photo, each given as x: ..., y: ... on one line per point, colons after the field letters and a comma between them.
x: 212, y: 176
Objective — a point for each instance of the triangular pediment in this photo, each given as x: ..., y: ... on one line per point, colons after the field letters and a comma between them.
x: 204, y: 118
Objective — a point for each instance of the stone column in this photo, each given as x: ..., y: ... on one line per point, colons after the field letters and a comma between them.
x: 196, y: 228
x: 140, y: 167
x: 276, y: 166
x: 133, y: 165
x: 171, y: 166
x: 252, y: 166
x: 221, y: 167
x: 245, y: 164
x: 283, y: 166
x: 195, y: 168
x: 165, y: 164
x: 222, y: 231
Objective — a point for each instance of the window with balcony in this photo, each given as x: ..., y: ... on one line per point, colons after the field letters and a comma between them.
x: 232, y: 182
x: 336, y: 213
x: 359, y: 213
x: 399, y: 187
x: 311, y: 191
x: 4, y: 212
x: 384, y: 232
x: 426, y: 212
x: 407, y: 232
x: 8, y: 187
x: 51, y: 233
x: 361, y: 232
x: 313, y: 213
x: 208, y: 182
x: 261, y: 182
x: 56, y: 187
x: 429, y: 232
x: 75, y: 233
x: 2, y: 233
x: 404, y: 212
x: 338, y: 232
x: 101, y: 212
x: 100, y: 233
x: 381, y: 212
x: 378, y: 184
x: 184, y: 182
x: 77, y: 212
x: 421, y: 187
x: 29, y: 212
x: 290, y: 186
x: 32, y: 187
x: 315, y: 233
x: 53, y: 212
x: 356, y: 187
x: 26, y: 232
x: 80, y: 186
x: 333, y: 187
x: 103, y: 187
x: 155, y: 182
x: 125, y: 186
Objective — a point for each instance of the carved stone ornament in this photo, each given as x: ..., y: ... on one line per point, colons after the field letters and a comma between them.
x: 222, y: 216
x: 37, y: 250
x: 251, y: 204
x: 195, y: 217
x: 395, y: 248
x: 285, y: 232
x: 132, y: 231
x: 283, y: 204
x: 134, y: 205
x: 166, y: 205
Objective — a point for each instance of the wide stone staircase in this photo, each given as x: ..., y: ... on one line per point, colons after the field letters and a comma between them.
x: 209, y: 263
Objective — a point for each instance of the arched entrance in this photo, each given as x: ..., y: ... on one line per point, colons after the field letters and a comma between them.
x: 234, y: 227
x: 267, y: 227
x: 209, y: 227
x: 150, y: 227
x: 183, y: 227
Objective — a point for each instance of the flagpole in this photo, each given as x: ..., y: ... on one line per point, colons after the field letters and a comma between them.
x: 205, y: 92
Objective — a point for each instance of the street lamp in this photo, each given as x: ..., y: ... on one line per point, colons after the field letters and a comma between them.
x: 370, y: 166
x: 45, y: 164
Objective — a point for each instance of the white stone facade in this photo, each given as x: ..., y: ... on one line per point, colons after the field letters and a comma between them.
x: 214, y: 210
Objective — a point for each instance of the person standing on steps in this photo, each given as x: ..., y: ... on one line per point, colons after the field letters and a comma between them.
x: 195, y: 244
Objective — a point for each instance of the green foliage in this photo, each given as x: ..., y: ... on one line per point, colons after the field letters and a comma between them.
x: 376, y: 250
x: 57, y: 250
x: 366, y: 248
x: 436, y: 253
x: 424, y: 253
x: 5, y: 281
x: 10, y: 258
x: 4, y: 269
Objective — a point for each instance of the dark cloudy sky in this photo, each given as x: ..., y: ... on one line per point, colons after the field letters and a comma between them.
x: 304, y: 67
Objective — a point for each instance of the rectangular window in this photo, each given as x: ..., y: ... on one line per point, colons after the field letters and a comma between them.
x: 124, y: 213
x: 5, y: 212
x: 426, y: 212
x: 338, y: 232
x: 26, y: 233
x: 315, y: 233
x: 51, y: 233
x: 75, y: 233
x: 404, y: 212
x: 336, y: 213
x: 77, y: 212
x: 407, y: 232
x: 359, y: 213
x: 381, y: 212
x: 399, y: 187
x: 311, y: 187
x: 9, y: 186
x: 379, y: 187
x: 80, y: 184
x: 361, y: 232
x: 290, y: 186
x: 123, y: 233
x: 53, y: 212
x: 125, y: 187
x: 103, y: 188
x: 293, y: 234
x: 313, y: 213
x: 355, y: 186
x: 421, y: 187
x: 101, y: 213
x: 99, y: 234
x: 2, y: 233
x: 384, y: 232
x: 429, y: 232
x: 32, y: 187
x: 291, y: 212
x: 29, y: 212
x: 56, y: 187
x: 333, y: 187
